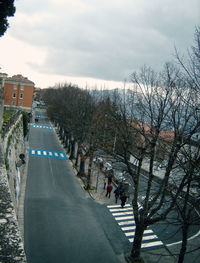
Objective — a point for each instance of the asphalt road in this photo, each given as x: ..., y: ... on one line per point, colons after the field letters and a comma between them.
x: 63, y: 225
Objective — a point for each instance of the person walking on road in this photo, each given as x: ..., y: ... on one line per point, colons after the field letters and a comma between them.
x: 109, y: 190
x: 117, y: 194
x: 123, y: 199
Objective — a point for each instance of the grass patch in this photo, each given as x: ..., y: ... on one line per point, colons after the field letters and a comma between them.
x: 7, y: 114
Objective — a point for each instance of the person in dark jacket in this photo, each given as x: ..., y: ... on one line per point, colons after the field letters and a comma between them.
x: 123, y: 199
x: 117, y: 194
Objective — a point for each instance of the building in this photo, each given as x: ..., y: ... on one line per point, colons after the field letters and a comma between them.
x: 37, y: 94
x: 18, y: 92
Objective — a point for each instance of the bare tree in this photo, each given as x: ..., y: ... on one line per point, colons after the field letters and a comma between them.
x: 191, y: 63
x: 72, y: 109
x: 158, y: 111
x: 190, y: 159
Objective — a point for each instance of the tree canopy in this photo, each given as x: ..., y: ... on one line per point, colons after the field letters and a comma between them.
x: 7, y: 9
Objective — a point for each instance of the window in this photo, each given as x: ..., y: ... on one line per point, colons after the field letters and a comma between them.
x: 14, y: 95
x: 21, y: 87
x: 15, y: 86
x: 20, y: 103
x: 21, y: 96
x: 13, y: 103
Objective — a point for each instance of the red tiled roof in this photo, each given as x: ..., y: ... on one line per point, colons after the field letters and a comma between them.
x: 19, y: 78
x: 166, y: 135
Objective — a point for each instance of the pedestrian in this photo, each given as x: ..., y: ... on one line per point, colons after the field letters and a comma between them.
x: 105, y: 182
x: 109, y: 190
x: 117, y: 194
x: 109, y: 179
x: 123, y: 199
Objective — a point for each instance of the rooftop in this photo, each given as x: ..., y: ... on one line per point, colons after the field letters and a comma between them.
x: 19, y: 78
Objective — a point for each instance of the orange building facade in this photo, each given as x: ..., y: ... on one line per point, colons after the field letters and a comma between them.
x: 18, y: 92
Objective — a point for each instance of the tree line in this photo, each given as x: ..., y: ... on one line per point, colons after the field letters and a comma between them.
x: 155, y: 120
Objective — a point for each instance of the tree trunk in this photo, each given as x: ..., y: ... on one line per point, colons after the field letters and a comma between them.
x: 90, y: 169
x: 137, y: 243
x: 77, y: 156
x: 69, y: 148
x: 72, y: 150
x: 186, y: 219
x: 81, y: 171
x: 184, y: 243
x: 66, y: 142
x: 60, y: 132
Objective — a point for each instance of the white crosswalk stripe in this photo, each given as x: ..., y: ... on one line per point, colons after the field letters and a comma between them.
x: 47, y: 153
x: 125, y: 223
x: 125, y: 219
x: 122, y: 214
x: 42, y: 127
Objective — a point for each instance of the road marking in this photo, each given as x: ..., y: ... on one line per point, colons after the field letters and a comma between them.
x: 41, y: 116
x: 127, y: 225
x: 118, y: 206
x: 122, y: 214
x: 121, y: 209
x: 151, y: 244
x: 42, y: 127
x: 47, y: 153
x: 127, y: 228
x: 148, y: 231
x: 123, y: 218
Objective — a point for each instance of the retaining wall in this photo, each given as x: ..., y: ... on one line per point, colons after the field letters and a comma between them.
x: 12, y: 144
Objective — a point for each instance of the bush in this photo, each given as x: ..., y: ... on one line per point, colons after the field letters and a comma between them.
x: 26, y: 120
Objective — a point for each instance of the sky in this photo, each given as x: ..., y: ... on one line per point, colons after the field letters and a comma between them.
x: 95, y: 43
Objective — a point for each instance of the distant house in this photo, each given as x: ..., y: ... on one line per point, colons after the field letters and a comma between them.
x: 143, y: 135
x: 18, y: 92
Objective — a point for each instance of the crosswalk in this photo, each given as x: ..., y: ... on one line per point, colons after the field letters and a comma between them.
x: 40, y: 116
x: 47, y: 153
x: 42, y: 127
x: 125, y: 219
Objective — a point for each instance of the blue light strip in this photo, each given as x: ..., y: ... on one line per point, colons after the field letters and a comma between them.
x: 47, y: 153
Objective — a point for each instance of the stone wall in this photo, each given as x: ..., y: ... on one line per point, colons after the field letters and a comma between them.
x: 13, y: 146
x: 11, y: 171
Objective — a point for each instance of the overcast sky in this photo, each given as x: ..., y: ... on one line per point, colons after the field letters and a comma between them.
x: 94, y: 41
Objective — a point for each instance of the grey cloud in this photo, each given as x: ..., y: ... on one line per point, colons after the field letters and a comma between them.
x: 110, y: 39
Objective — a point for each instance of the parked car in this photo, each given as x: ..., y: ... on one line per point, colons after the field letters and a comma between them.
x: 107, y: 166
x: 118, y: 176
x: 119, y: 166
x: 98, y: 160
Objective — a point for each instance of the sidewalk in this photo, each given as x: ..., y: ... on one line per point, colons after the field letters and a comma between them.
x: 97, y: 191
